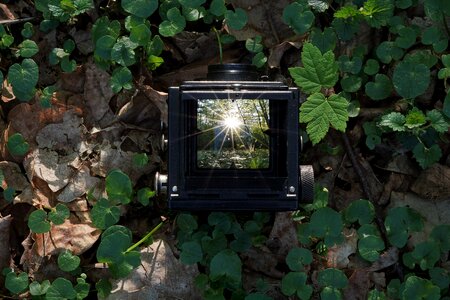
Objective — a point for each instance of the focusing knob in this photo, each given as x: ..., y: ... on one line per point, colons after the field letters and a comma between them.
x: 160, y: 183
x: 306, y: 182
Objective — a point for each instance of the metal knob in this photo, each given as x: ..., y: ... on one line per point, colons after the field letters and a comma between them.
x: 160, y: 183
x: 306, y: 182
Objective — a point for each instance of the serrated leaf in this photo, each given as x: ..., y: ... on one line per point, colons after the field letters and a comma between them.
x: 226, y: 265
x: 121, y: 78
x: 28, y: 48
x: 321, y: 113
x: 174, y: 24
x: 318, y: 71
x: 295, y: 283
x: 427, y: 156
x: 319, y: 5
x: 144, y: 195
x: 236, y: 19
x: 104, y: 214
x: 23, y: 78
x: 394, y: 121
x: 119, y: 186
x: 347, y: 11
x: 123, y: 51
x: 298, y: 17
x: 297, y: 258
x: 437, y: 121
x: 361, y: 210
x: 60, y: 213
x: 37, y: 221
x: 377, y: 12
x: 325, y: 40
x: 191, y: 253
x: 415, y: 118
x: 61, y: 288
x: 332, y: 278
x: 411, y: 80
x: 67, y: 261
x: 388, y: 51
x: 140, y: 8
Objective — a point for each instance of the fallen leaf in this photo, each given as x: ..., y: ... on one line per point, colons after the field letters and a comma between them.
x: 5, y: 255
x: 337, y: 256
x: 196, y: 45
x: 386, y: 259
x: 263, y: 261
x: 358, y: 285
x: 160, y: 276
x: 83, y: 40
x: 277, y: 52
x: 73, y: 82
x: 15, y: 179
x: 433, y: 182
x: 78, y: 185
x: 283, y: 236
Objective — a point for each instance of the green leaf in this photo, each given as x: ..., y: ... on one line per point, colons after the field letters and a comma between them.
x: 369, y: 247
x: 140, y: 8
x: 319, y: 5
x: 103, y: 287
x: 345, y: 29
x: 28, y: 30
x: 191, y: 253
x: 419, y: 288
x: 140, y: 34
x: 259, y: 60
x: 326, y: 223
x: 406, y: 39
x: 59, y: 214
x: 377, y: 12
x: 427, y: 156
x: 349, y: 65
x: 440, y: 277
x: 347, y: 11
x: 320, y: 113
x: 330, y: 293
x: 403, y: 4
x: 121, y: 78
x: 298, y: 17
x: 379, y: 89
x: 435, y: 37
x: 388, y: 51
x: 174, y: 24
x: 23, y: 78
x: 440, y: 235
x: 319, y: 71
x: 437, y: 121
x: 28, y: 48
x: 295, y: 283
x: 257, y: 296
x: 9, y: 194
x: 361, y: 210
x: 7, y: 40
x: 61, y: 288
x: 415, y: 118
x: 104, y: 214
x: 186, y: 223
x: 67, y: 261
x: 155, y: 46
x: 351, y: 84
x: 254, y: 45
x: 394, y: 121
x: 16, y: 283
x: 212, y: 246
x: 236, y: 19
x: 217, y: 8
x: 297, y: 258
x: 220, y: 221
x: 446, y: 108
x: 226, y: 265
x: 372, y: 66
x: 242, y: 242
x: 104, y: 27
x: 82, y: 288
x: 104, y: 45
x: 123, y: 51
x: 325, y: 41
x: 68, y: 65
x: 38, y: 223
x: 411, y: 80
x: 399, y: 222
x: 424, y: 56
x: 39, y: 289
x: 332, y: 278
x: 1, y: 79
x: 144, y: 195
x: 426, y: 254
x: 119, y: 187
x: 154, y: 62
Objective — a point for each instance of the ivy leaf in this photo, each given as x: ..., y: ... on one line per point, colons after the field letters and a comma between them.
x: 17, y: 145
x: 297, y: 258
x: 332, y: 278
x: 419, y: 288
x: 325, y: 40
x: 121, y: 78
x: 295, y: 283
x: 437, y: 121
x: 379, y: 89
x: 144, y: 195
x: 372, y: 66
x: 140, y: 8
x: 298, y: 17
x: 16, y: 283
x: 38, y: 223
x: 415, y: 118
x: 174, y: 24
x: 388, y: 51
x: 399, y: 222
x: 318, y: 71
x: 39, y: 289
x: 23, y: 78
x: 191, y: 253
x: 361, y: 210
x: 427, y: 156
x: 104, y: 214
x: 67, y: 261
x: 59, y: 214
x: 123, y: 51
x: 61, y: 288
x: 226, y: 265
x: 119, y: 187
x: 28, y: 48
x: 394, y: 121
x: 411, y: 80
x: 236, y: 19
x: 320, y: 113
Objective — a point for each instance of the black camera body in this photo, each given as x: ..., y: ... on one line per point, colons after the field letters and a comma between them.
x: 233, y: 144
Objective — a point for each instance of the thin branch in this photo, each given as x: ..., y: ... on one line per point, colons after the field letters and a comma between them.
x: 9, y: 22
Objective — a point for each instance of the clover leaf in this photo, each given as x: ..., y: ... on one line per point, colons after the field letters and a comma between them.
x: 39, y: 289
x: 425, y: 254
x: 298, y: 17
x: 326, y: 223
x: 318, y: 71
x: 61, y: 288
x: 37, y: 221
x: 388, y: 51
x: 17, y: 145
x: 226, y: 265
x: 411, y: 80
x: 121, y: 78
x: 119, y: 187
x: 295, y: 283
x: 123, y: 51
x: 361, y: 210
x: 297, y: 258
x: 67, y: 261
x: 104, y: 214
x: 140, y: 8
x: 23, y: 78
x: 16, y: 283
x: 236, y: 19
x: 419, y: 288
x: 320, y: 113
x: 59, y: 214
x: 399, y: 222
x: 28, y: 48
x: 174, y: 24
x: 333, y: 278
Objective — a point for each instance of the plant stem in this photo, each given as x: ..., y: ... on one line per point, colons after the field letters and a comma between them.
x: 146, y: 237
x: 219, y: 42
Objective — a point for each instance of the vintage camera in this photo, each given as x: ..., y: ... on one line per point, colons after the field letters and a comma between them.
x: 233, y: 144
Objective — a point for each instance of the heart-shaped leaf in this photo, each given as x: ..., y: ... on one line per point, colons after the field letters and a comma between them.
x: 60, y: 213
x: 28, y: 48
x: 23, y: 78
x: 67, y: 261
x: 119, y: 187
x: 174, y: 24
x: 379, y: 89
x: 104, y: 214
x: 16, y: 283
x: 37, y: 222
x: 140, y: 8
x: 17, y: 145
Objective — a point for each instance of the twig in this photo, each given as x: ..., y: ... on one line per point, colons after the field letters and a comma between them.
x: 9, y: 22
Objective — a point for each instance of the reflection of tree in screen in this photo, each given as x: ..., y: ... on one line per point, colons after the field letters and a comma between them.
x: 232, y: 134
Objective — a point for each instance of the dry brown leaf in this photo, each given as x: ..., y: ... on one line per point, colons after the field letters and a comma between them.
x: 7, y: 92
x: 358, y: 285
x: 433, y: 182
x: 15, y: 179
x: 78, y: 185
x: 160, y: 276
x: 386, y: 259
x: 263, y: 261
x: 277, y: 52
x: 337, y: 256
x: 283, y: 236
x: 196, y: 46
x: 73, y: 82
x: 5, y: 255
